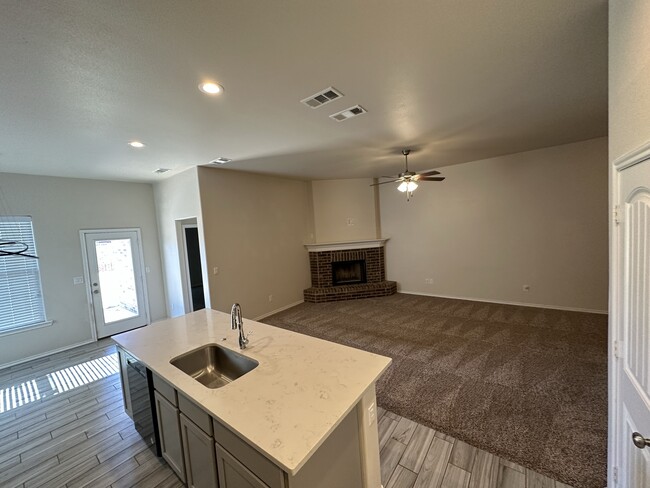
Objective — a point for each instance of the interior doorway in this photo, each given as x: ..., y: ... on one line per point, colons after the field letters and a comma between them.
x: 193, y: 272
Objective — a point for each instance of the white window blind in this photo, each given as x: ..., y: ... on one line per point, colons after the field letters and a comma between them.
x: 21, y: 296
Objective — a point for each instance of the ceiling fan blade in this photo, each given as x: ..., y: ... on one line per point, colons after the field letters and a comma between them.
x: 429, y: 173
x: 431, y: 178
x: 384, y: 182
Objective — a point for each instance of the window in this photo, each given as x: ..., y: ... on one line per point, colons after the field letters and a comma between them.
x: 21, y: 296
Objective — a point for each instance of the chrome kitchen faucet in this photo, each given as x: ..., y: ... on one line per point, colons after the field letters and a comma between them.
x: 236, y: 322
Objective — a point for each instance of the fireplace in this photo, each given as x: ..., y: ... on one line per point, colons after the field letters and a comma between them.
x: 349, y: 272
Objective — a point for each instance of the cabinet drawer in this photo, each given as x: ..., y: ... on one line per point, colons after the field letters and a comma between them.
x: 195, y: 414
x: 259, y: 465
x: 165, y: 389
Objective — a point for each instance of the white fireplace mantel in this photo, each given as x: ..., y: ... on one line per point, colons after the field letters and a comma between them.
x: 345, y: 245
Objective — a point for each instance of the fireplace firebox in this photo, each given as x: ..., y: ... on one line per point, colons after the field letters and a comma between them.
x: 349, y: 272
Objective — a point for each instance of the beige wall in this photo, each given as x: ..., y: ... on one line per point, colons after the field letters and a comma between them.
x: 254, y: 228
x: 629, y: 76
x: 177, y: 199
x: 60, y: 207
x: 344, y: 210
x: 537, y: 218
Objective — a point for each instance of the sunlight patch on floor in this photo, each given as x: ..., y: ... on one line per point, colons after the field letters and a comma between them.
x: 59, y: 381
x: 18, y: 395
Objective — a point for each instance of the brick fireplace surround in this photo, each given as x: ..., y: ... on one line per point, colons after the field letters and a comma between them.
x: 321, y: 257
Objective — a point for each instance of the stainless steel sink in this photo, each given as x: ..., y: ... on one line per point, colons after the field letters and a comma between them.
x: 214, y: 366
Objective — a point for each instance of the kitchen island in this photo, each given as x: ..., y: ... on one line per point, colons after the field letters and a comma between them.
x: 308, y: 409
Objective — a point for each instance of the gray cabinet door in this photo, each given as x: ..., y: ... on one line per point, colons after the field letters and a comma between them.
x: 200, y: 458
x: 170, y: 435
x: 233, y: 474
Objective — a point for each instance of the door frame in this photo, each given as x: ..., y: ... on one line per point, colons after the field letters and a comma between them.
x: 84, y: 259
x: 187, y: 282
x: 616, y: 308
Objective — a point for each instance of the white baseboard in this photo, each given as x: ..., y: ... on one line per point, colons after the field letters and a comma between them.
x: 43, y: 354
x: 278, y: 310
x: 502, y: 302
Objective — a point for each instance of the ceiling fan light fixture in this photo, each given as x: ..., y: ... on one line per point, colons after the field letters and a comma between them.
x: 408, y: 179
x: 409, y: 186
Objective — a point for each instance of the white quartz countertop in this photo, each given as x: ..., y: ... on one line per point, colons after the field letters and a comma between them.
x: 288, y: 405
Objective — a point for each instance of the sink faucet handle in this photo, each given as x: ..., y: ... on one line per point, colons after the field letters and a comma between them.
x: 235, y: 316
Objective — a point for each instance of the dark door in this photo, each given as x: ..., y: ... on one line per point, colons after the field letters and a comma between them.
x: 194, y: 268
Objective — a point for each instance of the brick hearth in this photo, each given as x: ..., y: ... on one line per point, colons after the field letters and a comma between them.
x: 321, y: 275
x: 350, y: 292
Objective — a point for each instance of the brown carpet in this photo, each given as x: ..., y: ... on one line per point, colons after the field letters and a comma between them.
x: 527, y: 384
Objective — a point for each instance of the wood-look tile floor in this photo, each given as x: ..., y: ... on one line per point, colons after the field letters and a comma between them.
x: 62, y: 424
x: 415, y: 456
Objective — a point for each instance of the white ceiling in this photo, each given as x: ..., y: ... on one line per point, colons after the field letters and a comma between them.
x: 457, y: 80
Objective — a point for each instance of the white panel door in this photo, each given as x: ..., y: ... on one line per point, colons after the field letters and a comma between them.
x: 116, y: 280
x: 632, y: 316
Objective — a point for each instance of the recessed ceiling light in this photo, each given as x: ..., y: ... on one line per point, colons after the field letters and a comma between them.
x: 136, y: 144
x: 160, y: 171
x: 211, y: 88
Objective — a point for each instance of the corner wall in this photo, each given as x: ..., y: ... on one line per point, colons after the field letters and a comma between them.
x: 537, y: 218
x: 60, y: 208
x: 177, y: 199
x: 344, y: 210
x: 255, y: 227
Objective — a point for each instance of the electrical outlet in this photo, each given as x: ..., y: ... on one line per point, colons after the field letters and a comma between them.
x: 428, y: 281
x: 270, y: 298
x: 78, y: 280
x: 350, y: 221
x: 526, y: 287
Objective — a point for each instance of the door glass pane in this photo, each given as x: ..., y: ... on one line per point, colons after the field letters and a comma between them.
x: 116, y: 279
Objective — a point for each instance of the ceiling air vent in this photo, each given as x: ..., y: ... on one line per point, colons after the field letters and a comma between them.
x: 321, y: 98
x: 348, y: 113
x: 220, y: 161
x: 160, y: 171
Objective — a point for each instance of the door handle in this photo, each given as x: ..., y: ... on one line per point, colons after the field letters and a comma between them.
x: 640, y: 441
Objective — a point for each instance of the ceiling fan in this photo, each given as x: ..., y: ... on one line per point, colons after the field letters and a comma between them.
x: 409, y: 179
